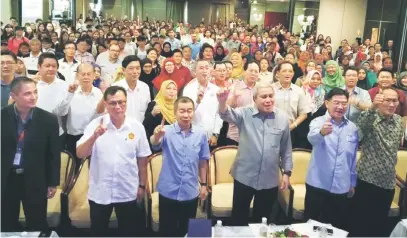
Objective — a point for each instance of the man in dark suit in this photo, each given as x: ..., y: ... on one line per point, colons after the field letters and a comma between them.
x: 30, y: 158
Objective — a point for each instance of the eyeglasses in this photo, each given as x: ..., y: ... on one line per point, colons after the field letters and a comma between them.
x: 114, y: 103
x: 388, y: 101
x: 337, y: 103
x: 7, y: 63
x: 351, y: 75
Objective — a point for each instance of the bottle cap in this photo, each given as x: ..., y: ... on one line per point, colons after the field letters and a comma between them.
x: 219, y: 222
x: 264, y: 220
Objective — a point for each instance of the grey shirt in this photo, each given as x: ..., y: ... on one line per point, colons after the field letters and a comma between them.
x: 265, y: 143
x: 362, y: 96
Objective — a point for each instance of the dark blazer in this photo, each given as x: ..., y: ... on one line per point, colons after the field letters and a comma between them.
x: 41, y: 154
x: 151, y: 122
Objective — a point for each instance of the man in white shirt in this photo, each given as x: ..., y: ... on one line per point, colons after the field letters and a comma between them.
x: 208, y: 39
x: 31, y: 62
x: 138, y: 92
x: 118, y: 168
x: 110, y: 65
x: 68, y: 65
x: 203, y: 93
x: 54, y: 95
x: 82, y: 109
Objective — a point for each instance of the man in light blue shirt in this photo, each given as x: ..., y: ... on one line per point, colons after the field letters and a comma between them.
x: 195, y: 46
x: 359, y: 99
x: 332, y: 170
x: 175, y: 43
x: 186, y: 153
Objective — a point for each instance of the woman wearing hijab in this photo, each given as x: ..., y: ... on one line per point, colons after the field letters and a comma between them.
x: 402, y: 82
x: 147, y: 75
x: 166, y: 52
x: 313, y: 89
x: 237, y: 62
x: 170, y: 72
x: 162, y: 107
x: 245, y: 52
x: 311, y: 65
x: 220, y: 53
x: 333, y: 76
x: 366, y: 79
x: 377, y: 65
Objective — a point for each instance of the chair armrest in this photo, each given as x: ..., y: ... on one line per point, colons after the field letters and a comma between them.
x: 71, y: 183
x: 399, y: 179
x: 69, y: 174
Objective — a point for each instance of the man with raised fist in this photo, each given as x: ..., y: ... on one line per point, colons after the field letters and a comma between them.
x: 331, y: 173
x: 118, y: 167
x: 265, y: 144
x: 186, y: 153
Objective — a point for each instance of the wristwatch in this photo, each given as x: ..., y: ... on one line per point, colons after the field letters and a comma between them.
x: 204, y: 184
x: 288, y: 173
x: 216, y: 135
x: 142, y: 186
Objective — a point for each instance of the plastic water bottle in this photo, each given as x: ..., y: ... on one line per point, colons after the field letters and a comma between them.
x: 263, y: 227
x: 218, y: 229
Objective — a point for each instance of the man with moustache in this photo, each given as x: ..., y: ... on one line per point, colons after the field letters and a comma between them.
x: 332, y: 169
x: 267, y: 145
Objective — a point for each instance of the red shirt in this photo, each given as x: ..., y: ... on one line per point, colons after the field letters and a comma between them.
x: 14, y: 43
x: 401, y: 108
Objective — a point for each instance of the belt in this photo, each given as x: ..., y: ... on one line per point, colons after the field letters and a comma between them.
x: 17, y: 170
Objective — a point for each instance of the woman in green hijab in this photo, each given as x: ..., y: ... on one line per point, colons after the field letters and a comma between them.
x: 333, y: 76
x: 402, y: 82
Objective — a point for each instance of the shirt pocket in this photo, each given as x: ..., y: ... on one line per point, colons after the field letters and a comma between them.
x: 351, y: 143
x: 274, y: 137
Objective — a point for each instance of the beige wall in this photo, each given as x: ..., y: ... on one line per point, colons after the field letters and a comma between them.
x: 5, y: 11
x: 341, y: 19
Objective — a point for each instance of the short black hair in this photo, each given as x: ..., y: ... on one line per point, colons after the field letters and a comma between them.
x: 46, y: 40
x: 69, y: 43
x: 177, y: 51
x: 154, y: 36
x: 350, y: 68
x: 246, y: 66
x: 47, y: 55
x: 112, y: 90
x: 385, y: 70
x: 186, y: 46
x: 387, y: 58
x: 141, y: 38
x: 336, y: 92
x: 128, y: 59
x: 152, y: 49
x: 280, y: 65
x: 10, y: 53
x: 111, y: 39
x: 81, y: 39
x: 228, y: 62
x: 15, y: 85
x: 121, y: 39
x: 218, y: 63
x: 183, y: 99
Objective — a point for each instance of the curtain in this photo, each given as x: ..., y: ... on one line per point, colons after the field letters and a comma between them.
x: 175, y: 10
x: 218, y: 12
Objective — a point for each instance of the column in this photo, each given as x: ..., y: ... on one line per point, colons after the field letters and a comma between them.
x: 341, y: 19
x: 291, y: 15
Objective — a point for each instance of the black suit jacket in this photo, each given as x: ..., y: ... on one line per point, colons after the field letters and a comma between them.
x: 41, y: 154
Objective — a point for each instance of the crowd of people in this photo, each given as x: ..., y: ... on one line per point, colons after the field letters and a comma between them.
x: 122, y: 90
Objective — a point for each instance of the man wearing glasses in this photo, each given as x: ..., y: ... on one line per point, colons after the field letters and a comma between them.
x: 382, y: 134
x: 8, y: 68
x: 331, y: 173
x: 118, y: 168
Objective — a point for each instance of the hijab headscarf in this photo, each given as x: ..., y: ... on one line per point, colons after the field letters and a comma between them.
x: 166, y: 54
x: 399, y: 84
x: 221, y: 56
x: 148, y: 78
x: 166, y: 106
x: 314, y: 92
x: 377, y: 64
x: 176, y: 76
x: 335, y: 80
x: 238, y: 70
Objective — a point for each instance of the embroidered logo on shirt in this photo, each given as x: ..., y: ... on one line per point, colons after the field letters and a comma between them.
x: 131, y: 136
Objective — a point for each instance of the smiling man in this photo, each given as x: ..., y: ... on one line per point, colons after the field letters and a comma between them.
x: 332, y: 169
x: 267, y: 145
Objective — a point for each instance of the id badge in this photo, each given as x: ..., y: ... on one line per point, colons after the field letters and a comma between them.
x: 17, y: 158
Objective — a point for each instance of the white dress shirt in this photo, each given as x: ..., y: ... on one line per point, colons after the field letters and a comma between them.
x: 54, y: 98
x: 206, y: 113
x: 130, y: 48
x: 107, y: 68
x: 31, y: 64
x: 113, y: 174
x: 68, y: 70
x: 137, y: 99
x: 82, y: 110
x: 210, y: 41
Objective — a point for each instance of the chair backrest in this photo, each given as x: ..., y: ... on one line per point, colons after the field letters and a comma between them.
x: 155, y: 162
x: 78, y: 191
x: 401, y: 166
x: 221, y: 162
x: 301, y: 159
x: 67, y: 169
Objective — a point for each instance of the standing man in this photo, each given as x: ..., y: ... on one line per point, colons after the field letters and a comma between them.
x: 8, y: 69
x: 30, y: 158
x: 118, y: 168
x: 185, y: 159
x: 203, y: 93
x: 68, y: 65
x: 332, y: 169
x: 31, y: 62
x: 110, y: 64
x: 382, y: 133
x: 266, y: 133
x: 175, y: 43
x: 359, y: 99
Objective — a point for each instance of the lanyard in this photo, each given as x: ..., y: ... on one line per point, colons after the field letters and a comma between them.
x: 21, y: 137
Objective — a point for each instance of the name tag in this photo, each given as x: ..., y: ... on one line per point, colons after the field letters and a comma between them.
x: 17, y: 158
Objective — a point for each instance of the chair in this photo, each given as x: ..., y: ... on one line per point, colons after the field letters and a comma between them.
x: 221, y: 182
x: 55, y: 210
x: 401, y: 166
x: 398, y: 205
x: 292, y: 199
x: 78, y: 204
x: 153, y: 172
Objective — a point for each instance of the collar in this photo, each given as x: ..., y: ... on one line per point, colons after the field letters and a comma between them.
x: 92, y: 92
x: 45, y: 83
x: 178, y: 128
x: 109, y: 123
x: 256, y: 111
x: 345, y: 120
x: 126, y: 85
x: 32, y: 56
x: 355, y: 90
x: 30, y: 114
x: 279, y: 86
x: 4, y: 84
x: 74, y: 61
